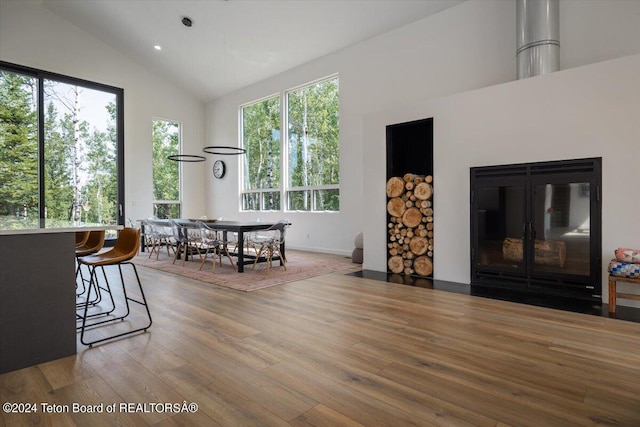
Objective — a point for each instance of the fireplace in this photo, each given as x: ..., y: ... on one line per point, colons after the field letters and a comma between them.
x: 536, y: 228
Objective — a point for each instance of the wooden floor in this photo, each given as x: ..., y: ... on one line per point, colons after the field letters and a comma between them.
x: 341, y: 350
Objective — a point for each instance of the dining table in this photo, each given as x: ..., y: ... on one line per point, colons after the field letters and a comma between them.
x: 241, y: 228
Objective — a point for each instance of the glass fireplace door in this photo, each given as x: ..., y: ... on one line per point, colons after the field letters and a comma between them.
x: 561, y: 213
x: 536, y: 227
x: 500, y: 235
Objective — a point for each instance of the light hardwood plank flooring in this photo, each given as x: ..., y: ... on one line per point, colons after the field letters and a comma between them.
x: 338, y: 350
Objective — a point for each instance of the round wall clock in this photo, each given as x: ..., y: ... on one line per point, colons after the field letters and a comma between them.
x: 219, y: 169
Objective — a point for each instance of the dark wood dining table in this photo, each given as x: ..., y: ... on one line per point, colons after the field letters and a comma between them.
x: 240, y: 227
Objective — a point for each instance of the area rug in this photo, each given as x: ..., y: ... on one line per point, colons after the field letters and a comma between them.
x: 300, y: 265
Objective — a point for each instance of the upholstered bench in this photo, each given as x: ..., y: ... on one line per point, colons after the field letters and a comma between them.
x: 613, y: 295
x: 625, y: 272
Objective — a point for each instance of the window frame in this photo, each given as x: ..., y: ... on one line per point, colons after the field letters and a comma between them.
x: 284, y: 187
x: 41, y: 76
x: 259, y: 192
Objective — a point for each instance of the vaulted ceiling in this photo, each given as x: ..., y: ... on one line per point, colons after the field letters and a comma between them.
x: 235, y: 43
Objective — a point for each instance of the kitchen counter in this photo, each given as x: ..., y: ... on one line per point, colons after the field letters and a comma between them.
x: 12, y: 226
x: 37, y: 290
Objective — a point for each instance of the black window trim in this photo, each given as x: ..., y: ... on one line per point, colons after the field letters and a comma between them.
x: 41, y: 75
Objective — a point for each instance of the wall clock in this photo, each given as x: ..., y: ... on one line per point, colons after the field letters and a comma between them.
x: 219, y: 169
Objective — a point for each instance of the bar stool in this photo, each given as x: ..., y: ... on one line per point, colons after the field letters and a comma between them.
x: 93, y: 243
x: 125, y: 248
x: 81, y: 238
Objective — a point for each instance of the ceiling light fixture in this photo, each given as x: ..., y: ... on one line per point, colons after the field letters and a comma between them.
x: 157, y: 47
x: 186, y: 21
x: 190, y: 158
x: 224, y: 150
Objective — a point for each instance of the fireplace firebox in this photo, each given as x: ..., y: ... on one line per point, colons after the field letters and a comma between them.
x: 536, y: 228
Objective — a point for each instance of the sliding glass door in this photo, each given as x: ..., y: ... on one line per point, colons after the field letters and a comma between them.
x: 61, y: 147
x: 80, y: 147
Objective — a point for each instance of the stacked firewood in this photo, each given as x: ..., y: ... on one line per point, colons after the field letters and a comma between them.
x: 410, y: 226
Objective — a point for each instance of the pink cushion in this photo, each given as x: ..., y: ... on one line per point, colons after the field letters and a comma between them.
x: 628, y: 255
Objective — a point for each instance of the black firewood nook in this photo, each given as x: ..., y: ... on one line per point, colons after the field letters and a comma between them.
x: 410, y: 241
x: 410, y: 148
x: 536, y: 228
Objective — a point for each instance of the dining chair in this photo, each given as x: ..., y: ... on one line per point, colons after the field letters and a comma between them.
x: 125, y: 248
x: 254, y: 239
x: 159, y: 233
x: 138, y: 224
x: 186, y: 243
x: 270, y: 242
x: 212, y: 242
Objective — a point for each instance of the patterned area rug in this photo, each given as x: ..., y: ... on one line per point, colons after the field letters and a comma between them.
x: 300, y: 265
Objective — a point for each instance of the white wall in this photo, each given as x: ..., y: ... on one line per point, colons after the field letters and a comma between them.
x: 31, y: 35
x: 590, y: 111
x: 463, y: 48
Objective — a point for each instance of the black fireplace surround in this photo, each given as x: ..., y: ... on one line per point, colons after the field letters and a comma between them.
x: 536, y: 228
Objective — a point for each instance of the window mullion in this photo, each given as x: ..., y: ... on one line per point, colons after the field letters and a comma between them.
x: 284, y: 149
x: 42, y: 206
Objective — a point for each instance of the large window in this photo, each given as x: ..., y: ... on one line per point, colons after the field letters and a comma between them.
x: 61, y: 147
x: 311, y: 150
x: 261, y: 167
x: 80, y: 149
x: 166, y: 173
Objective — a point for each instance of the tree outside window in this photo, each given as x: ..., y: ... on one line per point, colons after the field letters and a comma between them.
x: 80, y: 150
x: 311, y: 174
x: 166, y: 173
x: 261, y: 164
x: 18, y: 145
x: 79, y: 176
x: 313, y: 147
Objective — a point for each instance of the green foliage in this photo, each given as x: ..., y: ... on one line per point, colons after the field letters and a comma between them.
x: 18, y: 146
x: 101, y: 192
x: 313, y: 147
x: 251, y: 201
x: 80, y: 173
x: 59, y: 189
x: 261, y: 139
x: 166, y: 210
x: 166, y: 173
x: 327, y: 200
x: 80, y: 160
x: 299, y: 200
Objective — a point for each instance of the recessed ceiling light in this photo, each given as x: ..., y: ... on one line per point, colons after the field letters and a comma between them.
x: 157, y: 47
x: 186, y: 21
